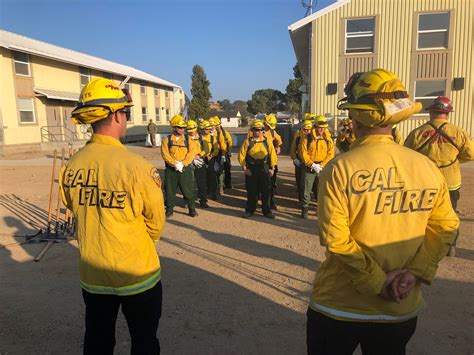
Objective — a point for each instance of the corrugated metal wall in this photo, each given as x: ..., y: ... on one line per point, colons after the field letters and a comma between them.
x: 394, y: 37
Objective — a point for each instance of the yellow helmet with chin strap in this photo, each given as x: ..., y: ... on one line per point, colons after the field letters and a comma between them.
x: 377, y: 98
x: 192, y: 126
x: 271, y: 121
x: 321, y: 122
x: 215, y: 121
x: 308, y: 116
x: 257, y: 124
x: 178, y: 121
x: 205, y: 124
x: 98, y: 99
x: 307, y: 124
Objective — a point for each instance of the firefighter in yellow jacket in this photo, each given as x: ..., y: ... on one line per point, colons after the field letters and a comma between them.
x: 444, y: 143
x: 258, y: 159
x: 386, y: 221
x: 209, y: 151
x: 270, y: 122
x: 116, y: 199
x: 179, y: 153
x: 315, y: 150
x: 346, y: 136
x: 224, y: 178
x: 298, y: 136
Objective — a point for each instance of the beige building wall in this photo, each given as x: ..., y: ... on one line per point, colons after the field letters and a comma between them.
x: 54, y: 75
x: 395, y: 34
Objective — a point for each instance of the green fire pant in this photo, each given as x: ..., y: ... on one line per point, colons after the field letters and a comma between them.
x: 309, y: 184
x: 259, y: 184
x: 184, y: 180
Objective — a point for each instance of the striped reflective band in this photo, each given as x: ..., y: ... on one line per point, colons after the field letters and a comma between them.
x: 105, y: 101
x: 361, y: 317
x: 125, y: 290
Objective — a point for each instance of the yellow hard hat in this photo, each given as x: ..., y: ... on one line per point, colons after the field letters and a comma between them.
x: 270, y: 120
x: 308, y: 115
x: 192, y: 126
x: 346, y: 121
x: 215, y: 121
x: 307, y: 124
x: 205, y: 124
x: 98, y: 99
x: 178, y: 121
x: 381, y: 97
x: 258, y: 124
x: 321, y: 121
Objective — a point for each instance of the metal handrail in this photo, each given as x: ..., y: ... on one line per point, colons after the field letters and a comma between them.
x: 65, y: 134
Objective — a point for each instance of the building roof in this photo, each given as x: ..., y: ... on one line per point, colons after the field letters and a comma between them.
x: 300, y: 33
x: 28, y: 45
x: 57, y: 95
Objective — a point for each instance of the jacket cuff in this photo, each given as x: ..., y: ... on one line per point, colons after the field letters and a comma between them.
x: 424, y: 271
x: 372, y: 283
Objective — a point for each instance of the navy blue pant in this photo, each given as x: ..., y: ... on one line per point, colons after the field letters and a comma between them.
x: 328, y: 336
x: 142, y: 312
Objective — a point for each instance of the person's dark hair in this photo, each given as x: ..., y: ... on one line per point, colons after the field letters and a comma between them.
x: 102, y: 123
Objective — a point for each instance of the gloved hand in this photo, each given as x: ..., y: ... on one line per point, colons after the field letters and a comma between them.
x: 223, y: 159
x: 317, y: 168
x: 198, y: 162
x: 297, y: 163
x: 217, y: 166
x: 179, y: 166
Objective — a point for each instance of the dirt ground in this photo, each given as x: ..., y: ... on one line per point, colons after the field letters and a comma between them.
x: 231, y: 285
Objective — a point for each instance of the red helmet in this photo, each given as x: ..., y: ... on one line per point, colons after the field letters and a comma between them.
x: 441, y: 104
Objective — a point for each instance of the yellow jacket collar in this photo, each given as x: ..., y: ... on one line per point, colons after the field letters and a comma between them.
x: 103, y: 139
x: 373, y: 138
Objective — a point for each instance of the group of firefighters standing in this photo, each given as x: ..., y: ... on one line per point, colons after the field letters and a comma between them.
x: 385, y: 214
x: 198, y: 153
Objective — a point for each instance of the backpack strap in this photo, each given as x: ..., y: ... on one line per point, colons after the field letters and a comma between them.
x: 186, y: 141
x: 439, y: 131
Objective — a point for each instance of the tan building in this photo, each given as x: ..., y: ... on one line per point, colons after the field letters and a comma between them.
x: 428, y: 43
x: 40, y: 85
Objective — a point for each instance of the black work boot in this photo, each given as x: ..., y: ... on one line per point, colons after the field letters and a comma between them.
x: 269, y: 215
x: 169, y: 212
x: 204, y: 204
x: 192, y: 212
x: 304, y: 213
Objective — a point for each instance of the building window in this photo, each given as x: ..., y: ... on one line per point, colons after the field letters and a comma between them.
x: 360, y: 34
x: 27, y: 110
x: 107, y: 75
x: 144, y: 114
x: 167, y: 94
x: 85, y: 74
x: 142, y: 89
x: 22, y: 63
x: 228, y: 119
x: 157, y: 114
x: 157, y: 92
x: 428, y: 90
x: 433, y: 30
x: 167, y: 115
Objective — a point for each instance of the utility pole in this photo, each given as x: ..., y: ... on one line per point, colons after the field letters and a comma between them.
x: 308, y: 6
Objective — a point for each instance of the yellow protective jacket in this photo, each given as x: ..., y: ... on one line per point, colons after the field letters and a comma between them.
x: 272, y: 135
x: 209, y: 146
x: 344, y: 140
x: 224, y: 140
x: 180, y: 150
x: 447, y: 148
x: 116, y: 199
x: 258, y: 150
x: 381, y: 207
x: 319, y: 149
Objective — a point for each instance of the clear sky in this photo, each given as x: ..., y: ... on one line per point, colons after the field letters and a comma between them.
x: 243, y: 45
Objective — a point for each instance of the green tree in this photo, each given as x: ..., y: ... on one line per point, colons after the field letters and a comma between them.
x: 293, y: 93
x: 266, y: 101
x: 200, y: 92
